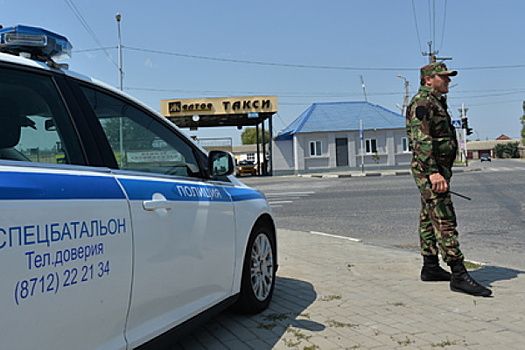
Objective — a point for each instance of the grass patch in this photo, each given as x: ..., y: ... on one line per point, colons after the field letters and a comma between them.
x: 443, y: 344
x: 299, y: 337
x: 331, y: 297
x: 267, y: 326
x: 399, y: 303
x: 472, y: 266
x: 406, y: 342
x: 275, y: 317
x: 337, y: 324
x: 311, y: 347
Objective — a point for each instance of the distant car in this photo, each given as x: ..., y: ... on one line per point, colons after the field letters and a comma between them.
x: 246, y: 167
x: 485, y: 157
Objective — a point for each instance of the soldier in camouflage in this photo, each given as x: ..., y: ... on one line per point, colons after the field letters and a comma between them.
x: 434, y: 146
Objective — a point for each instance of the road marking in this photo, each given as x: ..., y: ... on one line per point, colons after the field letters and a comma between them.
x: 279, y: 202
x: 335, y: 236
x: 504, y: 168
x: 276, y: 199
x: 282, y: 194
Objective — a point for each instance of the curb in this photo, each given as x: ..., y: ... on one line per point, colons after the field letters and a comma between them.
x: 377, y: 174
x: 367, y: 174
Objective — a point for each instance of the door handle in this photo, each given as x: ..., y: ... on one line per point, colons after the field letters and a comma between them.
x: 157, y: 203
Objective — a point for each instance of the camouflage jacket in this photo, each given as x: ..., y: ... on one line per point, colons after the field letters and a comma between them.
x: 431, y: 135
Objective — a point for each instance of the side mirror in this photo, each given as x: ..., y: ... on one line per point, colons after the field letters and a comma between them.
x: 49, y: 125
x: 221, y: 163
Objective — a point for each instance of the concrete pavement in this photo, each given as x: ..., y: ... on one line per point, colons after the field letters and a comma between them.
x: 338, y: 293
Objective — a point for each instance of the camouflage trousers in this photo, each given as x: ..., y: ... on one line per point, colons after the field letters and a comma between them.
x: 437, y: 222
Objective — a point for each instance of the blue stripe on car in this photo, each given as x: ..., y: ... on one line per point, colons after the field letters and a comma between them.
x: 35, y: 186
x: 16, y: 185
x: 179, y: 191
x: 244, y: 194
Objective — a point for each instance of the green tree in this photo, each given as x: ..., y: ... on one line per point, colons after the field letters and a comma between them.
x: 248, y: 136
x: 499, y: 150
x: 509, y: 150
x: 523, y: 129
x: 513, y: 150
x: 523, y: 123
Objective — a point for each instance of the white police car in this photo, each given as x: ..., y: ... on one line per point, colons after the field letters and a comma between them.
x: 114, y: 227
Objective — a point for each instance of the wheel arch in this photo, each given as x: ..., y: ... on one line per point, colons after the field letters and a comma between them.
x: 266, y: 219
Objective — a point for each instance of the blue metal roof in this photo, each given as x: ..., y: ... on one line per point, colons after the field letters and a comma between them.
x: 342, y: 116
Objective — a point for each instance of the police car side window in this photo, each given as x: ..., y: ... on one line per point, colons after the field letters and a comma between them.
x: 34, y: 124
x: 139, y: 141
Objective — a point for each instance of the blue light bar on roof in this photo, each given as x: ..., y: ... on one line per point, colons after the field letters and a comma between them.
x: 41, y: 44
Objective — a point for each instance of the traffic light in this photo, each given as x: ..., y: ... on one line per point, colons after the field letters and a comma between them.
x: 464, y: 125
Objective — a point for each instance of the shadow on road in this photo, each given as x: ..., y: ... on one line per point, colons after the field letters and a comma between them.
x: 265, y: 330
x: 489, y: 274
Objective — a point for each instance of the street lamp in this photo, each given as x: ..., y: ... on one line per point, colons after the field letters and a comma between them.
x: 407, y: 94
x: 118, y: 17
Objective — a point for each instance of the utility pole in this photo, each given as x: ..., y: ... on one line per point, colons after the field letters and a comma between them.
x: 407, y: 94
x: 118, y: 17
x: 432, y: 58
x: 363, y: 86
x: 362, y: 145
x: 464, y: 125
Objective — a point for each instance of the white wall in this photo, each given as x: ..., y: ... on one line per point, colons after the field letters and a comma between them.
x: 293, y: 156
x: 283, y: 157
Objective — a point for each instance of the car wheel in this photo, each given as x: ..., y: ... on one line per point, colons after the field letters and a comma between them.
x: 258, y: 275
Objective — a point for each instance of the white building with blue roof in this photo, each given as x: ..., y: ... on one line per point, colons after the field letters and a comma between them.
x: 327, y: 137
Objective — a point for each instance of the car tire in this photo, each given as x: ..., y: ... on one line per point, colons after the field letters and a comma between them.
x: 259, y: 270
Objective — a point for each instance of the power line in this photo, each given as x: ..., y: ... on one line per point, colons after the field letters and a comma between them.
x: 417, y: 28
x: 432, y: 20
x: 96, y: 49
x: 444, y: 24
x: 432, y: 15
x: 291, y: 94
x: 86, y: 26
x: 276, y: 64
x: 261, y: 63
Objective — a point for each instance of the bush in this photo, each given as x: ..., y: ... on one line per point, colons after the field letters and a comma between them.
x: 509, y: 150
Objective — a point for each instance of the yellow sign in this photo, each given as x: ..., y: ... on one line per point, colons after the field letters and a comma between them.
x: 218, y: 106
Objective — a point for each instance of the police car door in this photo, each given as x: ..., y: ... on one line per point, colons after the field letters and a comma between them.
x: 183, y: 225
x: 65, y: 229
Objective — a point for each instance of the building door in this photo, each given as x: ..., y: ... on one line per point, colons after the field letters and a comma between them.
x: 341, y: 152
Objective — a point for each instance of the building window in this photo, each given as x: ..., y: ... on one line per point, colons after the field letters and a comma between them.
x: 405, y: 145
x: 315, y: 148
x: 370, y: 146
x: 250, y: 157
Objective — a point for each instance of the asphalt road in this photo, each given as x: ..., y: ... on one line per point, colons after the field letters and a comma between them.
x: 385, y: 210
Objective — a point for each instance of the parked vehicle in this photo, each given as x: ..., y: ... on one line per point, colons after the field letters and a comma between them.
x: 485, y: 158
x: 246, y: 167
x: 115, y: 228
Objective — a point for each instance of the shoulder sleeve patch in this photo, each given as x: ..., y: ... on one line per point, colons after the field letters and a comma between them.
x: 421, y: 112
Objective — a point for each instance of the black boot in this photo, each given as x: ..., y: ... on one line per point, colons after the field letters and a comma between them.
x: 431, y: 271
x: 462, y: 282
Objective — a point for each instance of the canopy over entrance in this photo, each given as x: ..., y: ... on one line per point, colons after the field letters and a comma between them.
x: 219, y: 111
x: 226, y: 111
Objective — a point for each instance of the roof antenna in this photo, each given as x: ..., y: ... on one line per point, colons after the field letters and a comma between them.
x: 363, y: 86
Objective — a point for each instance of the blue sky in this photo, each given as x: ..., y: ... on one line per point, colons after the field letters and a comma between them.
x: 335, y: 41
